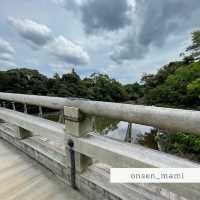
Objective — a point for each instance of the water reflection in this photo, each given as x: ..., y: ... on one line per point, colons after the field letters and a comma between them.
x: 119, y: 130
x: 137, y: 134
x: 124, y: 131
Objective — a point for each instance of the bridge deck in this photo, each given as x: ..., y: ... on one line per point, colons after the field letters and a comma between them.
x: 22, y: 178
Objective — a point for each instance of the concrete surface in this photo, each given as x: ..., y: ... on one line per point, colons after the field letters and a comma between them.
x: 22, y: 178
x: 95, y: 182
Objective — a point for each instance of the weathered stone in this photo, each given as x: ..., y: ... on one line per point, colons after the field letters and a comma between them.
x: 77, y: 125
x: 23, y: 133
x: 78, y: 129
x: 93, y: 183
x: 73, y: 114
x: 81, y: 161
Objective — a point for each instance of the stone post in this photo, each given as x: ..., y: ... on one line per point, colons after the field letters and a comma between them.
x: 77, y: 125
x: 22, y: 133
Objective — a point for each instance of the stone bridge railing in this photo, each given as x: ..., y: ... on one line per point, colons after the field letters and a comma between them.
x: 82, y: 145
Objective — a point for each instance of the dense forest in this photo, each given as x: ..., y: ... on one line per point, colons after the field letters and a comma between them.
x: 176, y: 84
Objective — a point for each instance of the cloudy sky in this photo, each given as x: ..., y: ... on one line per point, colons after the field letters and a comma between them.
x: 123, y: 38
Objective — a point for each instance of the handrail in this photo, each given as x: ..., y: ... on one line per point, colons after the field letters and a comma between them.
x: 115, y: 153
x: 163, y: 118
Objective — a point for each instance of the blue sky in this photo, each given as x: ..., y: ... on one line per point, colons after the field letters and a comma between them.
x: 123, y: 38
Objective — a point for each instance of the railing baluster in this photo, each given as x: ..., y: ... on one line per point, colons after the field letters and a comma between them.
x: 40, y: 111
x: 13, y: 106
x: 4, y: 104
x: 61, y: 116
x: 129, y: 133
x: 167, y: 119
x: 25, y: 108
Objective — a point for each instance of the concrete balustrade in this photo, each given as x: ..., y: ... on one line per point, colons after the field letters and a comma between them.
x: 163, y: 118
x: 88, y: 146
x: 98, y: 147
x: 77, y: 125
x: 114, y: 153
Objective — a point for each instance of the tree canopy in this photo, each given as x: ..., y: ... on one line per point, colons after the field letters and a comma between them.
x: 96, y: 87
x: 195, y: 47
x: 178, y: 89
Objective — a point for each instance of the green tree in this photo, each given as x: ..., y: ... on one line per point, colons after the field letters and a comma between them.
x: 174, y: 92
x: 102, y: 88
x: 3, y: 81
x: 135, y: 92
x: 194, y: 87
x: 25, y: 81
x: 195, y: 47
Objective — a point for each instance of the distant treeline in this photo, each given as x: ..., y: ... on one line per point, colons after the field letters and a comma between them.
x: 175, y: 85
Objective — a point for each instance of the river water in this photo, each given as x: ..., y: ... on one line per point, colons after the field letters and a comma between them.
x: 131, y: 133
x: 126, y: 132
x: 119, y: 130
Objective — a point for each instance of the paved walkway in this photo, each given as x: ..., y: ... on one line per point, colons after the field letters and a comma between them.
x: 22, y: 178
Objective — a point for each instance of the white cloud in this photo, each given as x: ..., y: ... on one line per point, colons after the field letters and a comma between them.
x: 5, y: 65
x: 67, y: 51
x: 40, y: 35
x: 6, y: 47
x: 57, y: 1
x: 65, y: 2
x: 154, y: 22
x: 6, y: 54
x: 37, y: 34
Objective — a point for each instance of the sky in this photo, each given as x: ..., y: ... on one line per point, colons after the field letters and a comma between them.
x: 122, y: 38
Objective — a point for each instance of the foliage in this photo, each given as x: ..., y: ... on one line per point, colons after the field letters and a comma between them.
x: 96, y: 87
x: 135, y: 92
x: 176, y: 89
x: 182, y: 144
x: 194, y: 87
x: 148, y: 139
x: 23, y: 81
x: 150, y: 81
x: 101, y: 87
x: 176, y: 85
x: 195, y: 47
